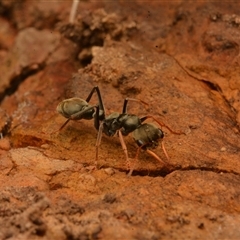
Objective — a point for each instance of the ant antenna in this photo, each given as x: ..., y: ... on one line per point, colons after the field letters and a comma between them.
x: 161, y: 124
x: 133, y: 100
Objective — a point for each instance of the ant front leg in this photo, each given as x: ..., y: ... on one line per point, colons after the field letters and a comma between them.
x: 156, y: 156
x: 166, y: 165
x: 164, y: 150
x: 162, y: 144
x: 152, y: 154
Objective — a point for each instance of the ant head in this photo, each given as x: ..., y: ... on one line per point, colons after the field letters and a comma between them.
x: 148, y: 135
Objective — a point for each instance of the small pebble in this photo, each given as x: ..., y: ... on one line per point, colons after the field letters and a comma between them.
x: 45, y: 146
x: 109, y: 198
x: 109, y: 171
x: 5, y: 144
x: 223, y: 149
x: 87, y: 178
x: 188, y: 131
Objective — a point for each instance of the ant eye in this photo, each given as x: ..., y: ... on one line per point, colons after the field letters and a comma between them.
x: 160, y: 133
x: 139, y: 143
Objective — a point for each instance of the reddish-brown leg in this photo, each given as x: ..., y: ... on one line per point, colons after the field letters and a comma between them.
x: 152, y: 154
x: 124, y: 147
x: 135, y: 160
x: 164, y: 150
x: 136, y: 100
x: 156, y: 156
x: 133, y: 100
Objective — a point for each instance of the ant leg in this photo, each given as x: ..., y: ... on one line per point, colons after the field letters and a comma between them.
x: 152, y: 154
x: 124, y: 147
x: 160, y: 123
x: 91, y: 93
x: 135, y: 159
x: 100, y: 102
x: 97, y: 118
x: 156, y: 156
x: 63, y: 125
x: 164, y: 150
x: 98, y: 142
x: 131, y: 99
x: 166, y: 165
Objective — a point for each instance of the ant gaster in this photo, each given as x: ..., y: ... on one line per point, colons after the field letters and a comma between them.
x: 77, y: 108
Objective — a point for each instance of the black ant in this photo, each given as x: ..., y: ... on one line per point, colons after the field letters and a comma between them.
x: 146, y: 135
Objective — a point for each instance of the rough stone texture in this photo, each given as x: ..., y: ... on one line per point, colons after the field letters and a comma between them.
x: 180, y: 58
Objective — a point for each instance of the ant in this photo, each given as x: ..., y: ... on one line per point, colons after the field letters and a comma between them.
x: 146, y: 135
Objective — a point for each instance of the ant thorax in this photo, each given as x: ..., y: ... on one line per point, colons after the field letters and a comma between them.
x: 111, y: 125
x: 128, y: 122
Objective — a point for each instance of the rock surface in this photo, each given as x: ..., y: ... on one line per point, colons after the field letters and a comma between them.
x: 181, y: 59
